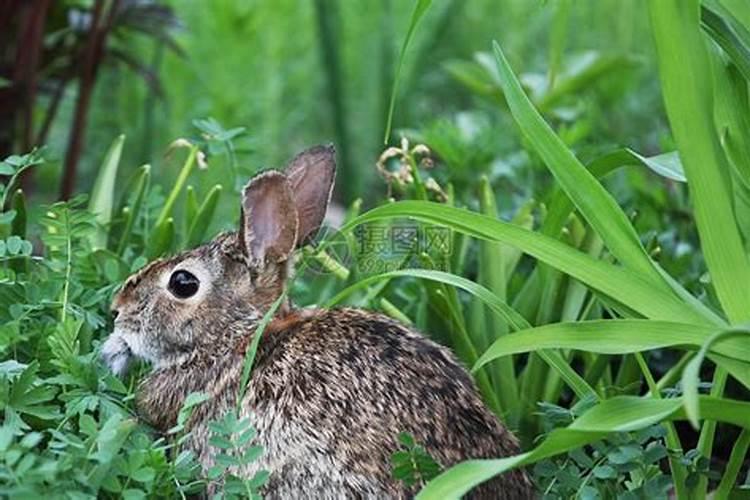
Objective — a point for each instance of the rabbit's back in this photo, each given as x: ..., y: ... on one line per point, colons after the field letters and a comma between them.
x: 331, y: 393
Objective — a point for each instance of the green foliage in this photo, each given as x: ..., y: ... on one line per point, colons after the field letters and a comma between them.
x: 68, y: 425
x: 103, y: 192
x: 420, y: 8
x: 69, y: 433
x: 232, y: 437
x: 412, y: 464
x: 623, y: 466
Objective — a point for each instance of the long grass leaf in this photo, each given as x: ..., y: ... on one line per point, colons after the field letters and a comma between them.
x: 667, y: 165
x: 685, y: 73
x: 732, y: 470
x: 252, y: 348
x: 672, y: 439
x: 103, y: 193
x: 596, y: 205
x: 729, y: 34
x: 203, y: 217
x: 140, y: 186
x: 615, y: 336
x: 619, y: 414
x: 691, y: 373
x: 492, y: 275
x: 420, y: 8
x: 623, y: 285
x: 580, y: 387
x: 515, y: 320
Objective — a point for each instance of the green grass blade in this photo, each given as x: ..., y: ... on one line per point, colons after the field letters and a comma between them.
x: 708, y: 429
x: 732, y: 116
x: 140, y: 185
x: 729, y: 34
x: 672, y: 439
x: 619, y: 414
x: 161, y: 239
x: 103, y: 192
x: 492, y: 275
x: 623, y: 285
x: 580, y: 387
x: 18, y: 204
x: 191, y: 206
x: 394, y: 312
x: 182, y: 178
x: 515, y: 320
x: 585, y: 337
x: 686, y: 76
x: 685, y: 73
x: 560, y: 206
x: 740, y: 9
x: 595, y: 204
x: 203, y: 217
x: 614, y: 336
x: 732, y: 470
x: 252, y: 348
x: 739, y: 369
x: 623, y: 336
x: 691, y: 373
x: 464, y: 346
x: 420, y: 8
x: 667, y: 165
x: 557, y: 39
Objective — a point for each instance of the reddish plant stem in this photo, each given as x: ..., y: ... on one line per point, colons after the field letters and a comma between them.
x: 32, y: 38
x: 92, y: 56
x: 12, y: 19
x: 32, y: 46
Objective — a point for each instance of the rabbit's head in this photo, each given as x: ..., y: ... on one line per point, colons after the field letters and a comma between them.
x: 201, y: 299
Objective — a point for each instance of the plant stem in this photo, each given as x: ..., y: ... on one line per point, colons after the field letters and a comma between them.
x: 68, y: 267
x: 673, y: 373
x: 708, y: 430
x: 739, y: 451
x: 464, y: 345
x: 673, y: 439
x: 182, y: 178
x: 91, y: 59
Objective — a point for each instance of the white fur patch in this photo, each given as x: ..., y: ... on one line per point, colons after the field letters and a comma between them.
x: 121, y: 347
x: 116, y: 354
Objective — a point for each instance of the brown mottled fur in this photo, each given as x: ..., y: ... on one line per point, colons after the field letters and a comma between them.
x: 330, y: 390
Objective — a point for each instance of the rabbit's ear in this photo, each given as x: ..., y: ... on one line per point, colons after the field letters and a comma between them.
x: 268, y: 229
x: 311, y: 174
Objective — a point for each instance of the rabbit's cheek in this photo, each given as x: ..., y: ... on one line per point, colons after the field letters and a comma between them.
x: 127, y: 341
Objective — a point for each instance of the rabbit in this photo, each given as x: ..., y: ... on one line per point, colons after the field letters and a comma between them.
x: 330, y: 390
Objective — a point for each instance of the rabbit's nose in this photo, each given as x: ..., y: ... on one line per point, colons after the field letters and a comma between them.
x: 115, y: 313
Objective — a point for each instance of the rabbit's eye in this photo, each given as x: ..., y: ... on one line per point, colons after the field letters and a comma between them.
x: 183, y: 284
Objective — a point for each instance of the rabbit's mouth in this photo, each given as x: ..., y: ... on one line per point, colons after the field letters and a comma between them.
x: 116, y: 353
